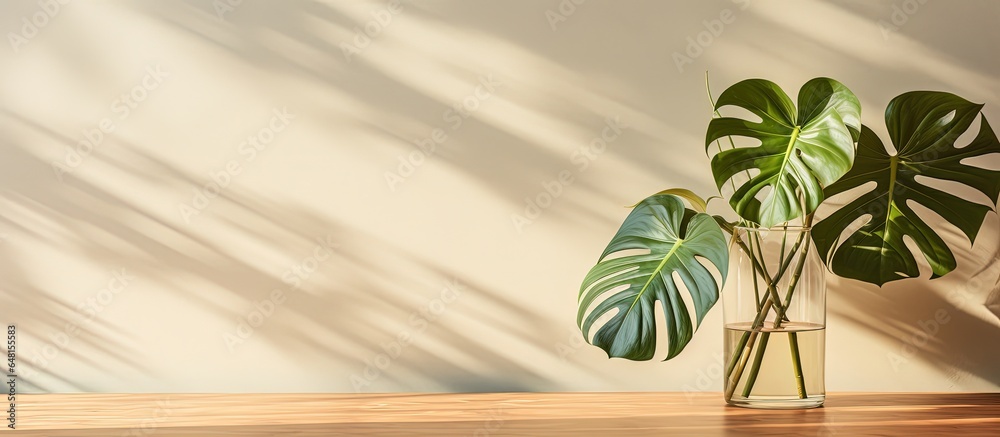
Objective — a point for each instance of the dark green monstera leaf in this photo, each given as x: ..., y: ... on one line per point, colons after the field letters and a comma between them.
x: 800, y: 153
x: 677, y: 240
x: 923, y: 127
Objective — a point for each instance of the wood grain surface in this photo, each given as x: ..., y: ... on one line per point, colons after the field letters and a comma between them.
x: 497, y: 414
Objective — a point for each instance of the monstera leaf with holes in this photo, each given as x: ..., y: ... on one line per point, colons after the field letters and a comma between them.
x: 801, y: 151
x: 923, y: 127
x: 677, y: 241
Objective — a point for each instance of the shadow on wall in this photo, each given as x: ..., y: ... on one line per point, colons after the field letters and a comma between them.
x: 953, y: 322
x: 334, y: 319
x: 516, y: 158
x: 920, y: 21
x: 69, y: 215
x: 946, y: 326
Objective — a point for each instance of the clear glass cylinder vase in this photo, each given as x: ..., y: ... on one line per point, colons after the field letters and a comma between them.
x: 774, y: 305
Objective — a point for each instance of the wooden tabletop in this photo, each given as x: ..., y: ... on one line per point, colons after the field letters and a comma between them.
x: 498, y: 414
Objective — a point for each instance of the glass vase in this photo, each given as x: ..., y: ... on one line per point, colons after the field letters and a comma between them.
x: 774, y: 306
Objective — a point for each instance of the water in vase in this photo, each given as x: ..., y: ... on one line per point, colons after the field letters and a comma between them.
x: 770, y: 377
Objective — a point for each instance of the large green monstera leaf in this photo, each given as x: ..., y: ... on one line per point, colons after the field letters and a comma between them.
x: 627, y: 288
x: 800, y: 152
x: 923, y: 127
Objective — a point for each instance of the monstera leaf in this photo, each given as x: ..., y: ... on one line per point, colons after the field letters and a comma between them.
x: 800, y: 152
x: 923, y: 127
x: 627, y: 288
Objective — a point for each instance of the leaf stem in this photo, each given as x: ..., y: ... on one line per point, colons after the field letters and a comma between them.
x: 740, y: 361
x: 784, y: 238
x: 741, y: 354
x: 794, y: 282
x: 756, y: 289
x: 759, y: 269
x: 716, y: 113
x: 800, y: 382
x: 755, y: 367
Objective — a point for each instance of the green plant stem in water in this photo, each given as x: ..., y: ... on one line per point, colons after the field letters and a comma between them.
x: 739, y: 360
x: 780, y: 315
x: 772, y: 298
x: 800, y: 381
x: 755, y: 367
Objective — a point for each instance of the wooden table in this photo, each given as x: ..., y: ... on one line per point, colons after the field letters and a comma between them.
x: 498, y: 414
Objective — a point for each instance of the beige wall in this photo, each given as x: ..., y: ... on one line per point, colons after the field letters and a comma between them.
x: 127, y: 270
